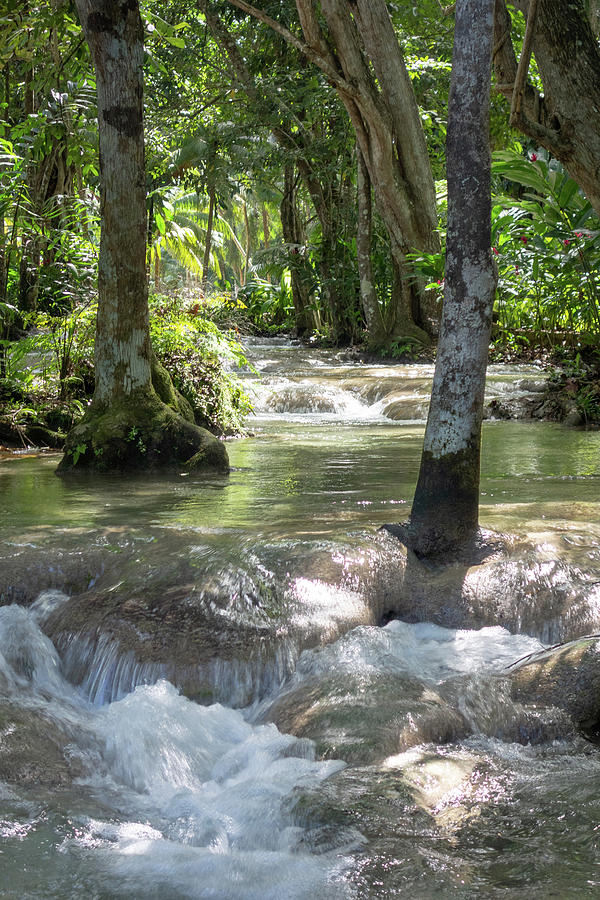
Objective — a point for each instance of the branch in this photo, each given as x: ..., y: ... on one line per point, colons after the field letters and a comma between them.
x: 313, y: 55
x: 516, y: 107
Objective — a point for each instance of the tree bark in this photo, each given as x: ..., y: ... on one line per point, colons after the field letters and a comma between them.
x: 360, y: 55
x: 208, y: 241
x: 565, y: 118
x: 127, y: 424
x: 364, y: 235
x: 293, y: 236
x: 444, y: 516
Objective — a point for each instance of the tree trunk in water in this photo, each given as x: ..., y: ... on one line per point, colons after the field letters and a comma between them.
x: 127, y: 424
x: 565, y: 118
x: 444, y: 516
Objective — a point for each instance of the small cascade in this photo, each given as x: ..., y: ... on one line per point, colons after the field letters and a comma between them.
x: 307, y: 398
x: 209, y: 709
x: 189, y: 794
x: 106, y: 672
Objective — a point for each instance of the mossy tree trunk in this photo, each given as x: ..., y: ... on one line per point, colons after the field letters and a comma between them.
x: 128, y: 424
x: 444, y: 516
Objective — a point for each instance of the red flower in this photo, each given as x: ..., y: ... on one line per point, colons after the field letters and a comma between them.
x: 566, y: 242
x: 494, y: 251
x: 523, y: 238
x: 579, y: 234
x: 533, y: 157
x: 517, y: 269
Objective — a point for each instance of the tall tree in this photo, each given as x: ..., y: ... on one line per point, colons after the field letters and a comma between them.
x: 356, y: 48
x: 127, y: 424
x: 564, y: 117
x: 444, y: 516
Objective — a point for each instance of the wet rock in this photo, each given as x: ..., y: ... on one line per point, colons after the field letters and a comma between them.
x: 524, y: 587
x: 34, y: 750
x: 532, y: 385
x: 365, y: 719
x: 573, y: 417
x: 566, y: 677
x: 230, y: 633
x: 489, y: 708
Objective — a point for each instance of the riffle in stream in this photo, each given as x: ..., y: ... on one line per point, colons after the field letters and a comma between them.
x: 145, y: 751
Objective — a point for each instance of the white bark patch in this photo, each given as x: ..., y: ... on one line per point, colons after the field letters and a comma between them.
x: 454, y: 417
x: 126, y: 357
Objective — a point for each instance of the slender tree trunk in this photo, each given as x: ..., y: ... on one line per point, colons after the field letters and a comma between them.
x: 364, y: 229
x: 293, y: 236
x: 247, y: 240
x: 265, y: 221
x: 136, y: 419
x: 208, y: 242
x: 444, y: 514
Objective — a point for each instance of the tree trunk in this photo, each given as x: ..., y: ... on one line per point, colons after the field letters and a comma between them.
x: 265, y: 222
x: 444, y: 516
x: 364, y: 234
x: 208, y: 242
x: 565, y: 118
x: 127, y: 424
x: 361, y: 57
x: 294, y: 238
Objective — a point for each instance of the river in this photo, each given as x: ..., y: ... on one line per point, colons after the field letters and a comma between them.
x: 406, y: 774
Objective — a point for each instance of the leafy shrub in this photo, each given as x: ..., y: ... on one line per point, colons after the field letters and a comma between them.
x: 197, y: 355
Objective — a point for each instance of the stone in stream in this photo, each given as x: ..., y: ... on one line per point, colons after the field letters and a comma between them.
x: 566, y: 677
x: 526, y: 587
x: 363, y: 719
x: 230, y: 635
x: 34, y: 750
x: 230, y: 627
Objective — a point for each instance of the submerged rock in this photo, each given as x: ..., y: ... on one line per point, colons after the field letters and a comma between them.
x: 566, y: 677
x: 523, y: 586
x: 365, y: 719
x: 34, y: 750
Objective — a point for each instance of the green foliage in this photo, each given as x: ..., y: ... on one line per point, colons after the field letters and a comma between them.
x: 268, y: 305
x: 547, y: 246
x: 78, y: 452
x: 56, y: 355
x: 406, y: 348
x: 199, y: 358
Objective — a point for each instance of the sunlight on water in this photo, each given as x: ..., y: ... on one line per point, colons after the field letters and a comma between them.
x: 408, y: 772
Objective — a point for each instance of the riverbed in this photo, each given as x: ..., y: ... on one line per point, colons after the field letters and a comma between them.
x: 164, y: 797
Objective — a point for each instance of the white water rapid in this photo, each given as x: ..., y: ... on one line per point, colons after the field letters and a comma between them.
x: 342, y: 759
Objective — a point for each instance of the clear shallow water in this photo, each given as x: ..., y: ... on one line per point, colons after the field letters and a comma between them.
x: 177, y: 800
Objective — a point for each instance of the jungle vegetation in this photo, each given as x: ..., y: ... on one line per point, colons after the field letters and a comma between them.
x: 293, y: 178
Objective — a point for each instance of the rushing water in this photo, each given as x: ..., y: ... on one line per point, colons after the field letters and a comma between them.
x: 414, y: 781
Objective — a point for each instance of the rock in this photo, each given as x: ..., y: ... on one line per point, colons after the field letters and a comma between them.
x: 573, y: 417
x: 524, y: 587
x: 566, y: 677
x: 532, y: 385
x: 34, y: 750
x: 363, y: 720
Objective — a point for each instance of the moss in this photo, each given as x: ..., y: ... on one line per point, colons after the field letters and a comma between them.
x: 139, y: 433
x: 166, y: 391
